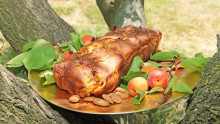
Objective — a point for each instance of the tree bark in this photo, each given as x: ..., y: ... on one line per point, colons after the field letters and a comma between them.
x: 204, y: 105
x: 20, y: 104
x: 121, y: 13
x: 22, y: 21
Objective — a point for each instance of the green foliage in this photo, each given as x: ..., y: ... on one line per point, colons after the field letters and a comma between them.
x: 134, y: 70
x: 128, y: 77
x: 166, y: 56
x: 137, y: 99
x: 28, y: 46
x: 48, y: 75
x: 39, y: 57
x: 76, y: 40
x: 156, y: 89
x: 153, y: 63
x: 171, y: 83
x: 135, y: 65
x: 182, y: 87
x: 17, y: 61
x: 195, y: 64
x: 39, y: 43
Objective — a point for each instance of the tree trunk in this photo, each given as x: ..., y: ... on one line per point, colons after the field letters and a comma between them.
x: 204, y: 105
x: 22, y: 21
x: 121, y: 13
x: 20, y: 104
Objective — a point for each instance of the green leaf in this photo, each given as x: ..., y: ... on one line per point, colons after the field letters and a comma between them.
x: 135, y: 65
x: 75, y: 40
x: 123, y: 86
x: 28, y: 46
x: 163, y: 56
x: 48, y: 66
x: 39, y: 43
x: 2, y: 58
x: 175, y: 53
x: 17, y: 61
x: 60, y: 58
x: 137, y: 99
x: 64, y: 49
x: 39, y: 57
x: 156, y: 89
x: 134, y: 70
x: 72, y: 48
x: 62, y: 45
x: 199, y: 55
x: 153, y: 63
x: 181, y: 87
x: 128, y: 77
x: 171, y: 83
x: 194, y: 64
x: 48, y: 74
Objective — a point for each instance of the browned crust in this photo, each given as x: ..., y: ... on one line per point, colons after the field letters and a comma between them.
x: 97, y: 67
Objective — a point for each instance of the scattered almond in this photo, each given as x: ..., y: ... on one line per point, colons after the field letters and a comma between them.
x: 100, y: 102
x: 122, y: 95
x: 89, y: 99
x: 116, y: 98
x: 107, y: 98
x: 74, y: 98
x: 119, y: 89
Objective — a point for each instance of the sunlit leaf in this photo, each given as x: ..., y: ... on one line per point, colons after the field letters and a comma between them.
x: 182, y: 87
x: 17, y: 61
x: 39, y: 57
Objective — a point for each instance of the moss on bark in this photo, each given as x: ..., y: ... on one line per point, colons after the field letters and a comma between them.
x: 204, y: 105
x: 22, y: 21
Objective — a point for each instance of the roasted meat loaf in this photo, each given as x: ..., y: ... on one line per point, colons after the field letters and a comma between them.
x: 97, y: 68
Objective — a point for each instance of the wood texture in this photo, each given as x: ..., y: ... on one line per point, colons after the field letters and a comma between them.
x: 121, y: 13
x: 23, y: 21
x: 204, y: 105
x: 20, y: 104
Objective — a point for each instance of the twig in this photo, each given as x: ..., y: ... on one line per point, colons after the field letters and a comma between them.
x: 165, y: 98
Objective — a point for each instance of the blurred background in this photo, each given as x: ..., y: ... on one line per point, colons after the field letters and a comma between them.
x: 188, y: 26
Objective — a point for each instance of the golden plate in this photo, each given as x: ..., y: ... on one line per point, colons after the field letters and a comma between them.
x: 54, y: 95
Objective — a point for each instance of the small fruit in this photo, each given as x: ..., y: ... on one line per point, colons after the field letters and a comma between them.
x: 66, y: 54
x: 137, y: 83
x: 149, y: 68
x: 157, y: 78
x: 87, y: 39
x: 74, y: 98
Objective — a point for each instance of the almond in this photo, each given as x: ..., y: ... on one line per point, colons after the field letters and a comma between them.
x: 119, y: 89
x: 107, y: 98
x: 122, y: 95
x: 116, y: 98
x: 74, y: 98
x: 100, y: 102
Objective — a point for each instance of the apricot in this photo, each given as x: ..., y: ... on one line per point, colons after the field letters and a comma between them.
x: 137, y: 83
x: 157, y: 78
x: 66, y: 54
x: 87, y: 39
x: 149, y: 68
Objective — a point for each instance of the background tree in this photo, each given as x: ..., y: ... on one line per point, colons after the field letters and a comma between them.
x: 121, y: 13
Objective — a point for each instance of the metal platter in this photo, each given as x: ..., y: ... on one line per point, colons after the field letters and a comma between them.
x: 54, y: 95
